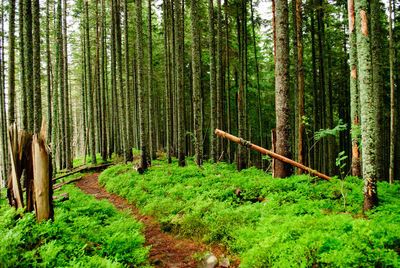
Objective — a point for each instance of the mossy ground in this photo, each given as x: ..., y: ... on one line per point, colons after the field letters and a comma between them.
x: 298, y: 222
x: 85, y: 233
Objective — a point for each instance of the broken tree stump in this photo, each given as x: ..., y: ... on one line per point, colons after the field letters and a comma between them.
x: 42, y: 171
x: 272, y: 154
x: 14, y: 180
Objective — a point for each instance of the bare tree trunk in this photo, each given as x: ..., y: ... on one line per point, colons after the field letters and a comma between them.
x: 392, y: 99
x: 282, y: 89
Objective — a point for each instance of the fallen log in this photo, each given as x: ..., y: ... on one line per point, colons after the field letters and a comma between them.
x: 69, y: 170
x: 272, y: 154
x: 61, y: 197
x: 90, y: 168
x: 59, y: 185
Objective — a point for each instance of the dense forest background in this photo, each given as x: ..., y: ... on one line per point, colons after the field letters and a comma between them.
x: 109, y: 76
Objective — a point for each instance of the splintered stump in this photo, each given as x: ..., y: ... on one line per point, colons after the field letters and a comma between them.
x: 19, y: 148
x: 42, y: 170
x: 30, y: 167
x: 272, y: 154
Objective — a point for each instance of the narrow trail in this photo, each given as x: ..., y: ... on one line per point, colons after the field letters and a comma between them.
x: 166, y: 249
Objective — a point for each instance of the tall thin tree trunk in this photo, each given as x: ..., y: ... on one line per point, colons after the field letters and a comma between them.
x: 196, y: 65
x: 48, y: 74
x: 180, y: 81
x: 103, y: 92
x: 141, y: 88
x: 392, y: 99
x: 92, y: 137
x: 152, y: 130
x: 28, y: 65
x: 220, y: 113
x: 36, y: 67
x: 378, y: 85
x: 260, y: 120
x: 21, y: 29
x: 68, y: 117
x: 227, y: 82
x: 300, y: 73
x: 121, y: 92
x: 213, y: 92
x: 11, y: 63
x: 128, y: 90
x: 282, y: 170
x: 354, y: 93
x: 168, y: 111
x: 367, y: 105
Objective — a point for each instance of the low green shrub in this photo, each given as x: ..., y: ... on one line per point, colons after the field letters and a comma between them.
x: 266, y: 221
x: 85, y: 233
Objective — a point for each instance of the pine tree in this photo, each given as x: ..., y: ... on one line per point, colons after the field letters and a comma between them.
x: 213, y: 92
x: 21, y: 28
x: 354, y: 93
x: 282, y: 169
x: 103, y: 92
x: 28, y: 64
x: 67, y: 121
x: 227, y: 82
x: 367, y: 105
x: 141, y: 88
x: 260, y: 120
x: 121, y: 92
x: 11, y: 63
x: 152, y: 130
x: 89, y: 91
x: 300, y: 79
x: 48, y: 75
x: 36, y: 67
x: 196, y: 65
x: 378, y: 84
x: 241, y: 153
x: 220, y: 113
x: 167, y: 93
x: 180, y: 81
x: 392, y: 99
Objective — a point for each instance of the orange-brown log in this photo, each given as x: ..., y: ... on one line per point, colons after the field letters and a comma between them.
x: 272, y: 154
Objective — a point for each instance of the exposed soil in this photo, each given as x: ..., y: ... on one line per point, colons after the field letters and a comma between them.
x: 167, y: 250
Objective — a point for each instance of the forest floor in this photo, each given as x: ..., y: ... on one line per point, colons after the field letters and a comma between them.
x: 166, y: 249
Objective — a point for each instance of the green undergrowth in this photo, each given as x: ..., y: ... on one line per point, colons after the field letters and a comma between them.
x: 85, y: 233
x: 266, y: 221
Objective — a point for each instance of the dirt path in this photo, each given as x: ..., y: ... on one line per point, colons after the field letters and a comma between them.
x: 166, y: 249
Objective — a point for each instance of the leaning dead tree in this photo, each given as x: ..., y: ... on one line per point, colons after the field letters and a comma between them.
x: 272, y: 154
x: 30, y: 171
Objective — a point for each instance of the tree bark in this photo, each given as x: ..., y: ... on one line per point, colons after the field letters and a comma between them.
x: 68, y: 117
x: 300, y: 73
x: 141, y: 89
x: 28, y: 64
x: 392, y: 99
x: 152, y: 130
x: 367, y: 105
x: 354, y: 92
x: 180, y: 81
x: 213, y: 92
x: 90, y: 91
x: 11, y: 63
x: 196, y: 65
x: 282, y: 88
x: 378, y: 85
